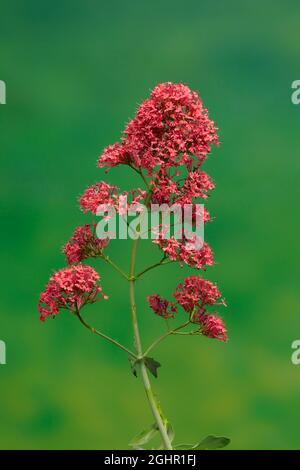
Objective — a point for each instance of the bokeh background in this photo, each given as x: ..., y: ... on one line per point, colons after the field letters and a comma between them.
x: 75, y: 73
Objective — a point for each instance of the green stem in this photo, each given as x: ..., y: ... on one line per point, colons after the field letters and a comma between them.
x: 147, y: 385
x: 165, y: 335
x: 160, y: 263
x: 139, y: 172
x: 144, y: 179
x: 102, y: 335
x: 187, y: 333
x: 109, y: 261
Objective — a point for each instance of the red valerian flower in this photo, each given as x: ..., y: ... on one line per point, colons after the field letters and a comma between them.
x: 98, y: 194
x: 169, y: 191
x: 114, y: 155
x: 197, y: 184
x: 84, y: 244
x: 130, y: 200
x: 105, y: 196
x: 201, y: 213
x: 171, y: 128
x: 165, y: 190
x: 70, y: 288
x: 195, y: 258
x: 194, y: 295
x: 183, y: 251
x: 196, y: 292
x: 161, y: 307
x: 212, y: 327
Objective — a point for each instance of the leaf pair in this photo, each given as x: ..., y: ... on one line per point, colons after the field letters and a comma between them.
x: 209, y: 443
x: 151, y: 364
x: 148, y: 435
x: 143, y: 437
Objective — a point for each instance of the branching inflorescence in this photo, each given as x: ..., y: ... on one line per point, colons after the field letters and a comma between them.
x: 165, y: 144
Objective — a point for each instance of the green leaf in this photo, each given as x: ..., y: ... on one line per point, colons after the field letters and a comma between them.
x: 209, y: 443
x: 184, y: 446
x: 152, y: 365
x: 213, y: 442
x: 133, y: 364
x: 143, y: 437
x: 170, y: 431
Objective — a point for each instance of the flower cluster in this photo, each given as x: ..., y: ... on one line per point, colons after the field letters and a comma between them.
x: 196, y: 292
x: 170, y: 129
x: 170, y: 136
x: 104, y: 196
x: 161, y: 307
x: 194, y: 295
x: 99, y: 194
x: 167, y: 190
x: 185, y: 251
x: 212, y: 327
x: 197, y: 184
x: 70, y: 288
x: 84, y: 244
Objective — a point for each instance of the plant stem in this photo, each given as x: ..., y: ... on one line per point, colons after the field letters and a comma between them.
x: 165, y: 335
x: 139, y: 172
x: 109, y: 261
x: 102, y: 335
x: 147, y: 386
x: 144, y: 179
x: 188, y: 333
x: 160, y: 263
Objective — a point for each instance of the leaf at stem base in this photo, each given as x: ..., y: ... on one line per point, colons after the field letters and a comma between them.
x: 152, y: 365
x: 143, y: 437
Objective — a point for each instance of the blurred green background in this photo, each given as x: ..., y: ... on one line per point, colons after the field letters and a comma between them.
x: 75, y: 73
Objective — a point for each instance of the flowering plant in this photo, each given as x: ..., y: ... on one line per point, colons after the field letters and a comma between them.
x: 165, y: 144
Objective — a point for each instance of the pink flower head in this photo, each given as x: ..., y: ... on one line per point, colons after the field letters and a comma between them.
x: 196, y: 292
x: 161, y: 307
x: 183, y: 251
x: 171, y: 128
x: 212, y: 327
x: 201, y: 213
x: 130, y: 200
x: 196, y: 258
x: 105, y: 197
x: 168, y: 191
x: 96, y: 195
x: 113, y: 155
x: 165, y: 190
x: 197, y: 184
x: 84, y: 244
x: 70, y: 288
